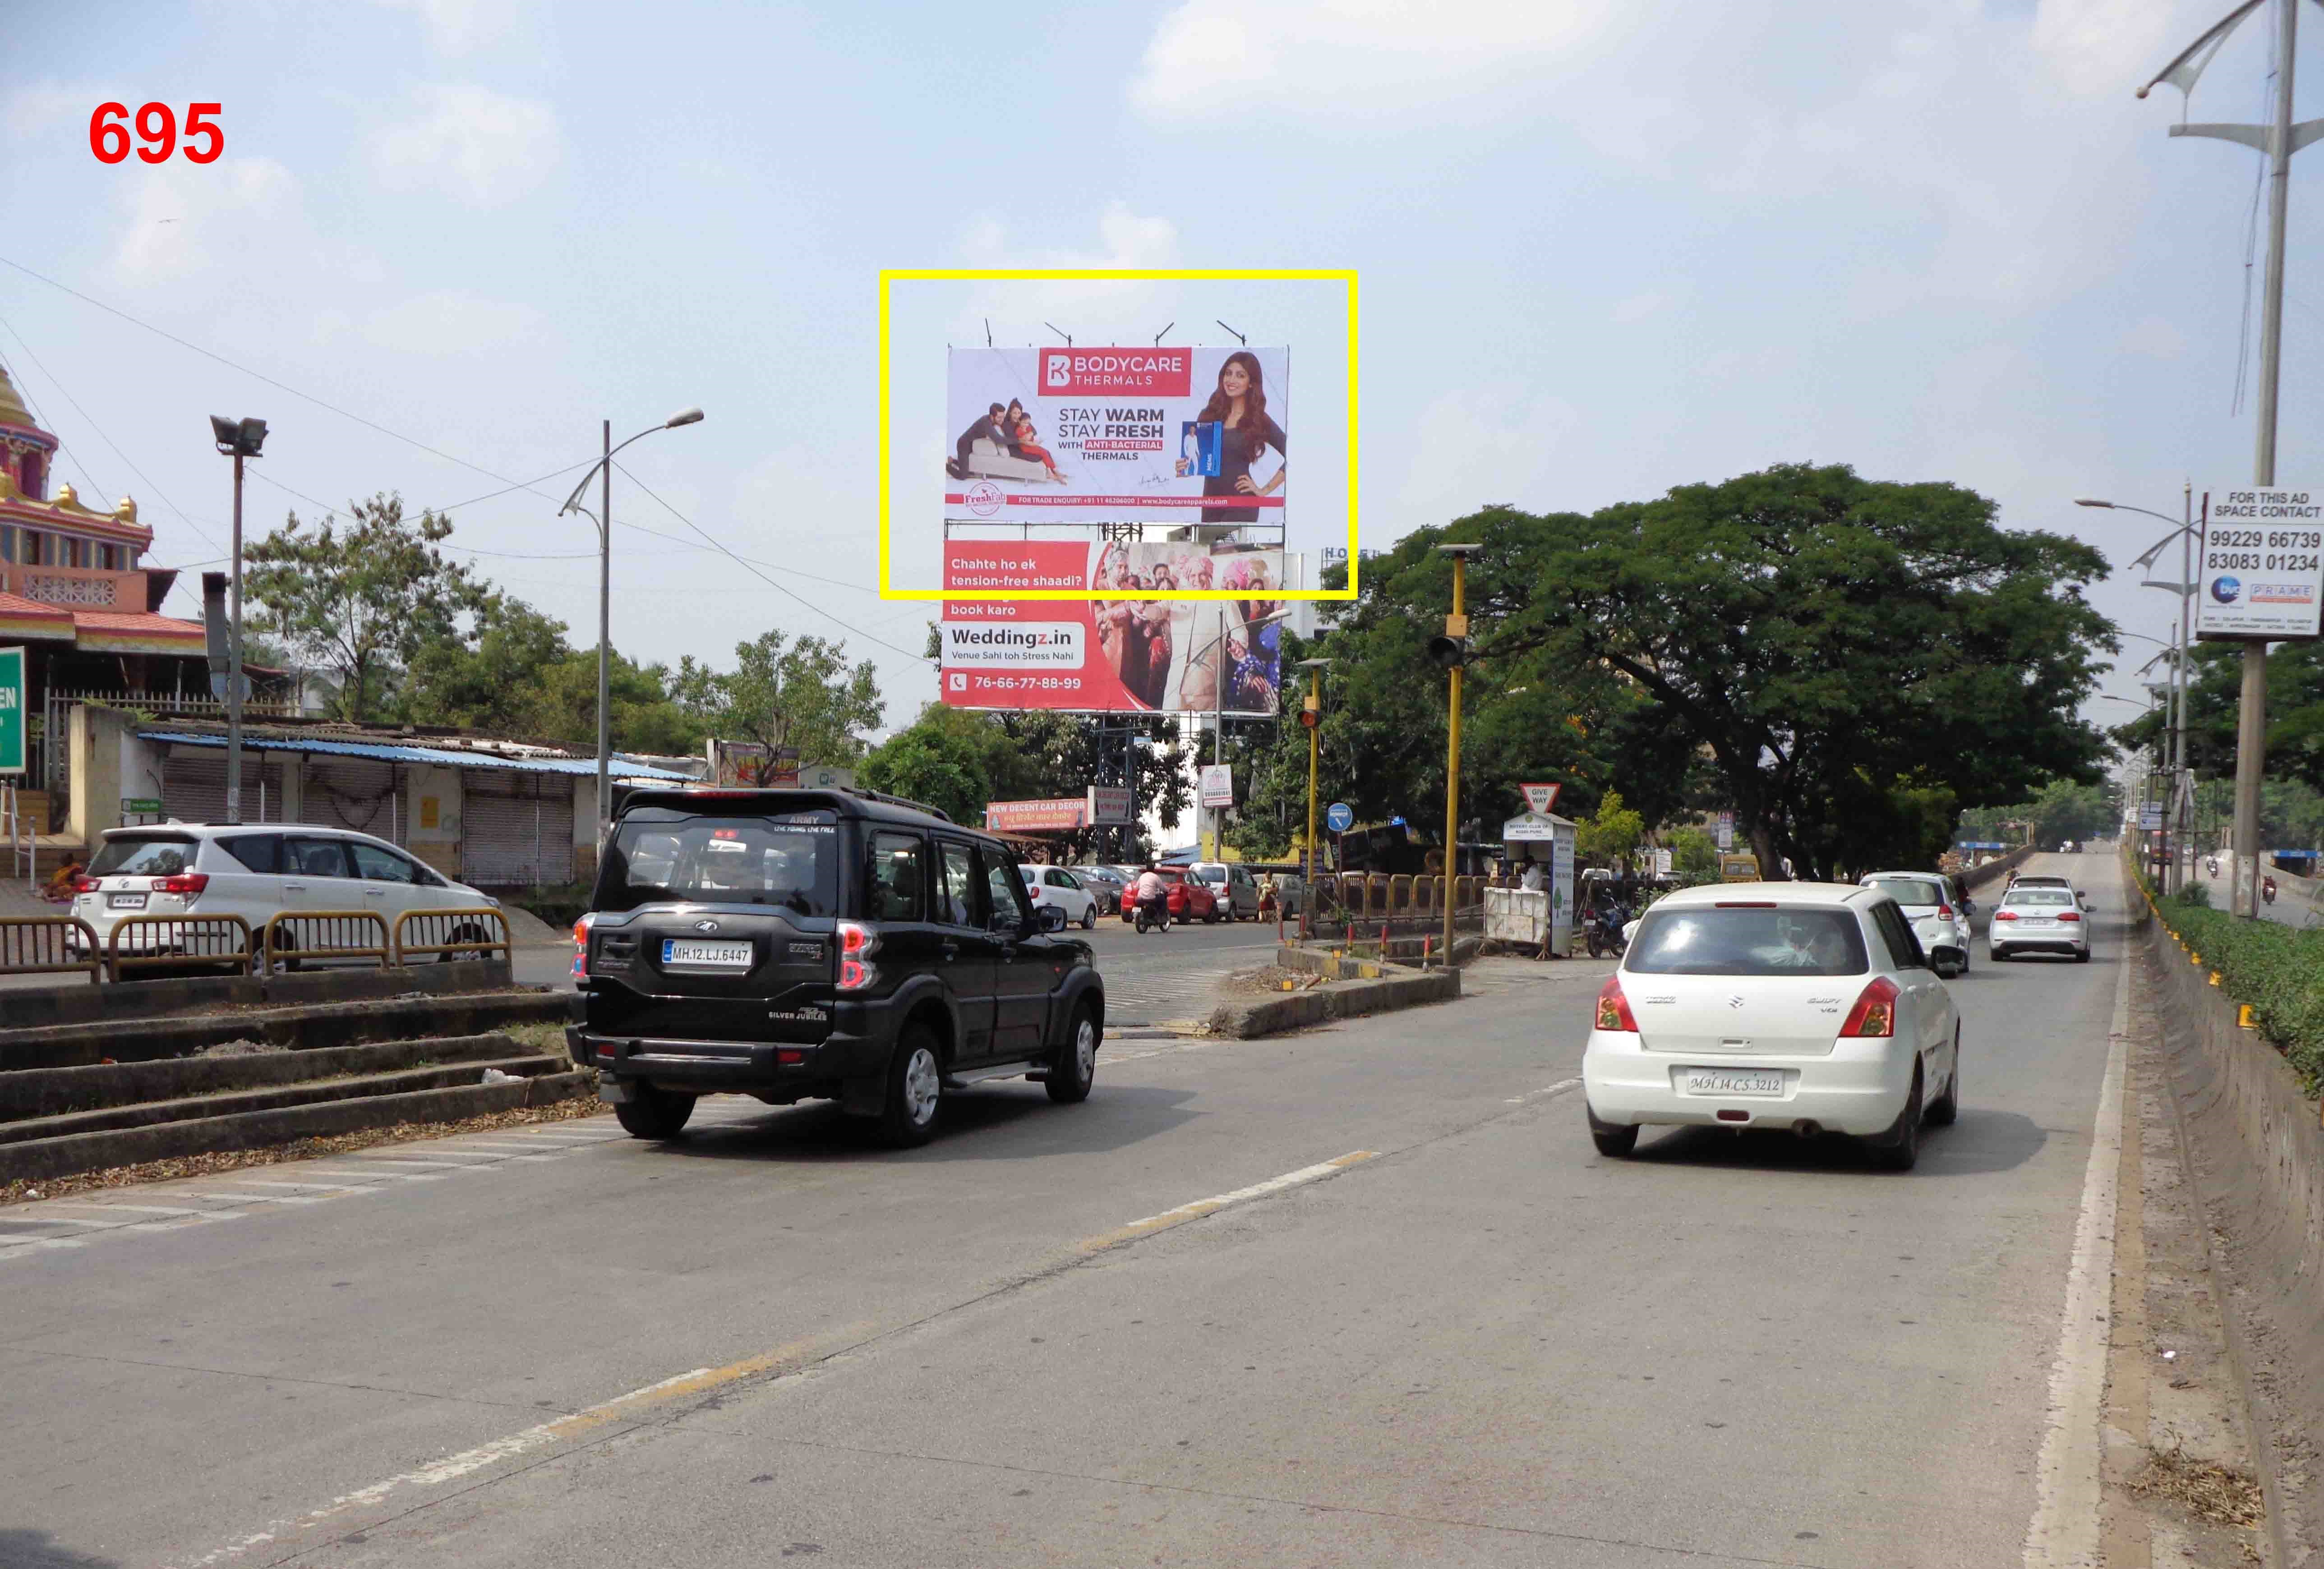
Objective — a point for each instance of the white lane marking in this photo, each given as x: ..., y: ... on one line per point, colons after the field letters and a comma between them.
x: 36, y: 1220
x: 2064, y: 1533
x: 530, y: 1151
x: 377, y: 1175
x: 152, y: 1208
x: 1559, y: 1087
x: 1212, y: 1205
x: 257, y: 1198
x: 323, y: 1186
x: 414, y: 1161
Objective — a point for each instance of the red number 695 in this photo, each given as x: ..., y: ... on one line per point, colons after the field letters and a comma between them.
x: 157, y: 132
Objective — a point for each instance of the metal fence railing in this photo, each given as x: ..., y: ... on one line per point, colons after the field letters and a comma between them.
x: 292, y: 937
x: 49, y: 945
x: 448, y: 934
x: 172, y: 942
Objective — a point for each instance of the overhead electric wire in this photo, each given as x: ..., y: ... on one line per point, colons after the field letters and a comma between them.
x: 753, y: 567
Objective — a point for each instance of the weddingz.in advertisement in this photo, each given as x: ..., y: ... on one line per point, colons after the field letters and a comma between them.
x: 1095, y: 435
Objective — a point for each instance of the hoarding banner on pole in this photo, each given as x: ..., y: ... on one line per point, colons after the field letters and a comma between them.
x: 2262, y: 574
x: 1099, y: 435
x: 1122, y: 656
x: 1218, y: 784
x: 12, y: 711
x: 1110, y: 807
x: 1049, y: 816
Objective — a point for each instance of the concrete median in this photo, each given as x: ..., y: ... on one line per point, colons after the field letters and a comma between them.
x: 1351, y: 988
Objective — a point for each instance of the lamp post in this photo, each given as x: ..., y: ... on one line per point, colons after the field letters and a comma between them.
x: 603, y: 469
x: 2276, y: 142
x: 2184, y: 532
x: 1451, y: 649
x: 238, y: 439
x: 1311, y: 714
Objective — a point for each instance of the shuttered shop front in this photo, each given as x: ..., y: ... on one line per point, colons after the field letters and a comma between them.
x: 354, y: 792
x: 193, y: 788
x: 516, y: 829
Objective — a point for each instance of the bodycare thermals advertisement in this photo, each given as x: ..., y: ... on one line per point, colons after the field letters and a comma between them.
x: 1129, y: 655
x: 1148, y: 434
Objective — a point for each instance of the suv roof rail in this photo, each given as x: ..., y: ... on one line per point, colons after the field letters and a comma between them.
x: 903, y: 800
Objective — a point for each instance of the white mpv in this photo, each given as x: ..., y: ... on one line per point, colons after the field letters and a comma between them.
x: 255, y: 871
x: 1807, y: 1006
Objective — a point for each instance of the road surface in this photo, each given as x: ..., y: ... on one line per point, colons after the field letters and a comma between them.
x: 1364, y: 1296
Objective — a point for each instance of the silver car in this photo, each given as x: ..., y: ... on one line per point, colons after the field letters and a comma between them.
x: 2038, y: 920
x: 1938, y: 921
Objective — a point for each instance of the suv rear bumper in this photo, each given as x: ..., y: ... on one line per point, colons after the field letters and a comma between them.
x: 732, y: 1066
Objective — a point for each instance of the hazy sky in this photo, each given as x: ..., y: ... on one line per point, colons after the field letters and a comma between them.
x: 1606, y: 249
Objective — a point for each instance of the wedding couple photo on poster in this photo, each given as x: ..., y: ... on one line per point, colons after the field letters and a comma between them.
x: 1125, y: 652
x: 1165, y: 434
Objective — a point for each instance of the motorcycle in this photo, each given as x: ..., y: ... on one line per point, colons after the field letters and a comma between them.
x: 1602, y: 931
x: 1153, y: 915
x: 2211, y: 865
x: 2267, y: 889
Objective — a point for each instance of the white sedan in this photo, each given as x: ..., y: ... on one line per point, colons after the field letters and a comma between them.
x: 2039, y: 919
x: 1055, y: 888
x: 1806, y: 1006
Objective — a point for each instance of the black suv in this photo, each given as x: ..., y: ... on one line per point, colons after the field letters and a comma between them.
x: 833, y: 944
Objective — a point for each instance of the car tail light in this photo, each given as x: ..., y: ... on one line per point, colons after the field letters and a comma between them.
x: 1614, y: 1008
x: 857, y: 943
x: 787, y: 1058
x: 2004, y: 914
x: 581, y: 947
x: 87, y: 885
x: 1944, y: 911
x: 187, y: 885
x: 2069, y: 915
x: 1874, y: 1014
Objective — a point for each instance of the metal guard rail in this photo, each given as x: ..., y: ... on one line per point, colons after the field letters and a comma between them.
x: 454, y: 934
x: 45, y: 945
x: 160, y: 941
x: 292, y: 935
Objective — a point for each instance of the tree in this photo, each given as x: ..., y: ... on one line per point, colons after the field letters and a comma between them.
x: 1611, y: 834
x: 1693, y: 853
x: 360, y: 601
x: 803, y: 693
x: 517, y: 676
x: 960, y: 760
x: 2295, y: 713
x: 1827, y: 644
x: 942, y: 765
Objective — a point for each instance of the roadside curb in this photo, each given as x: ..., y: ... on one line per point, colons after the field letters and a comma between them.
x: 1352, y: 989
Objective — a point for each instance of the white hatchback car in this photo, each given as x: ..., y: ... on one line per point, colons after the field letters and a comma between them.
x: 1807, y: 1006
x: 255, y: 871
x: 2039, y: 919
x: 1055, y: 888
x: 1942, y: 926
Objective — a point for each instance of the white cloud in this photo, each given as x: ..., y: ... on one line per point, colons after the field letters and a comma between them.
x: 43, y: 106
x: 1480, y: 446
x: 459, y: 27
x: 182, y: 218
x: 1125, y: 239
x: 446, y: 321
x: 484, y: 148
x: 2155, y: 337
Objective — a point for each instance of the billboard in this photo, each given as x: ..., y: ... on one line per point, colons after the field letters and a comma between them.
x: 13, y: 711
x: 1103, y: 435
x: 1129, y: 655
x: 2260, y: 575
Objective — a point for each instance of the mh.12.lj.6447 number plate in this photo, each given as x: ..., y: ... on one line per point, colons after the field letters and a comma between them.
x: 1732, y: 1081
x: 679, y: 955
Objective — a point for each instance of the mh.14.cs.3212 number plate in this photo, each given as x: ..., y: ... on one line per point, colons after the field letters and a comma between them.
x: 682, y: 954
x: 1732, y: 1081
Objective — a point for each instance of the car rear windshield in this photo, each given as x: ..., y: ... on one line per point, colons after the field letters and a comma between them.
x: 1762, y: 941
x: 1907, y: 890
x: 663, y: 855
x: 2020, y: 897
x: 144, y: 856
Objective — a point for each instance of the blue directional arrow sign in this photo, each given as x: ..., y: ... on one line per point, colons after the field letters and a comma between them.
x: 1339, y: 818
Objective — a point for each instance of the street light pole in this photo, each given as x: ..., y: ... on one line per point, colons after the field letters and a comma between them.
x: 602, y: 469
x: 1311, y: 716
x: 239, y: 439
x: 1451, y: 651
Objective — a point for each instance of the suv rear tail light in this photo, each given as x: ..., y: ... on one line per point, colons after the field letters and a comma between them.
x: 1614, y: 1008
x: 581, y: 947
x: 187, y: 885
x: 857, y: 944
x: 87, y: 885
x: 1874, y: 1014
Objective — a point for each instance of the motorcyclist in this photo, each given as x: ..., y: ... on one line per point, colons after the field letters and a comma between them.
x: 2211, y: 865
x: 2267, y: 889
x: 1154, y: 895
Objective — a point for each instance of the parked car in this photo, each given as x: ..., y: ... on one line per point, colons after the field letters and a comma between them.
x: 1232, y: 885
x: 1105, y: 882
x: 256, y: 871
x: 1055, y: 888
x: 1187, y: 898
x: 1806, y: 1006
x: 820, y: 944
x: 2038, y: 919
x: 1942, y: 924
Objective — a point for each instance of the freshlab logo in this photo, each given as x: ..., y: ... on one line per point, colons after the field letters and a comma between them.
x: 1151, y: 373
x: 2227, y: 589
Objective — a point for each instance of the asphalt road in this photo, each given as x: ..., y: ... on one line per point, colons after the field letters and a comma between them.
x: 1360, y: 1296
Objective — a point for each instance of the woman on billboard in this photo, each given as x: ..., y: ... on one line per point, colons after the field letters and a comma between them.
x: 1238, y: 406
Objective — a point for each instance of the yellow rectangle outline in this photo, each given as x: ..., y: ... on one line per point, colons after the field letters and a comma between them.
x: 888, y: 275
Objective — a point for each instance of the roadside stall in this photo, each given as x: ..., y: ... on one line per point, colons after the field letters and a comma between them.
x: 1537, y: 918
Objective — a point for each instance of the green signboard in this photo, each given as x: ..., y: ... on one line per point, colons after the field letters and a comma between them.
x: 12, y: 711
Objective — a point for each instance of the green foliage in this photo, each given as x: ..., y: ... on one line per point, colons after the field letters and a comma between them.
x: 360, y: 601
x: 2063, y: 810
x: 959, y: 759
x: 2276, y: 968
x: 519, y: 677
x: 2295, y: 713
x: 2196, y: 895
x: 1693, y: 852
x: 1610, y: 834
x: 785, y: 692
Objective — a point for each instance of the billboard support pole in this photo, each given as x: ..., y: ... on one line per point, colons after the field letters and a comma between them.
x: 1452, y: 754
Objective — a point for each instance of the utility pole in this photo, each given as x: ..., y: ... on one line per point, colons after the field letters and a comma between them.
x: 1311, y: 716
x: 1451, y: 649
x: 2277, y: 141
x: 238, y: 439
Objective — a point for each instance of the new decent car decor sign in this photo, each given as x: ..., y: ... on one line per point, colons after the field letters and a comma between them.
x: 2262, y: 574
x: 1129, y: 655
x: 1103, y: 435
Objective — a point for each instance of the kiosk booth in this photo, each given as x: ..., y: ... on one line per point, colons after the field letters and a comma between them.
x: 1541, y: 919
